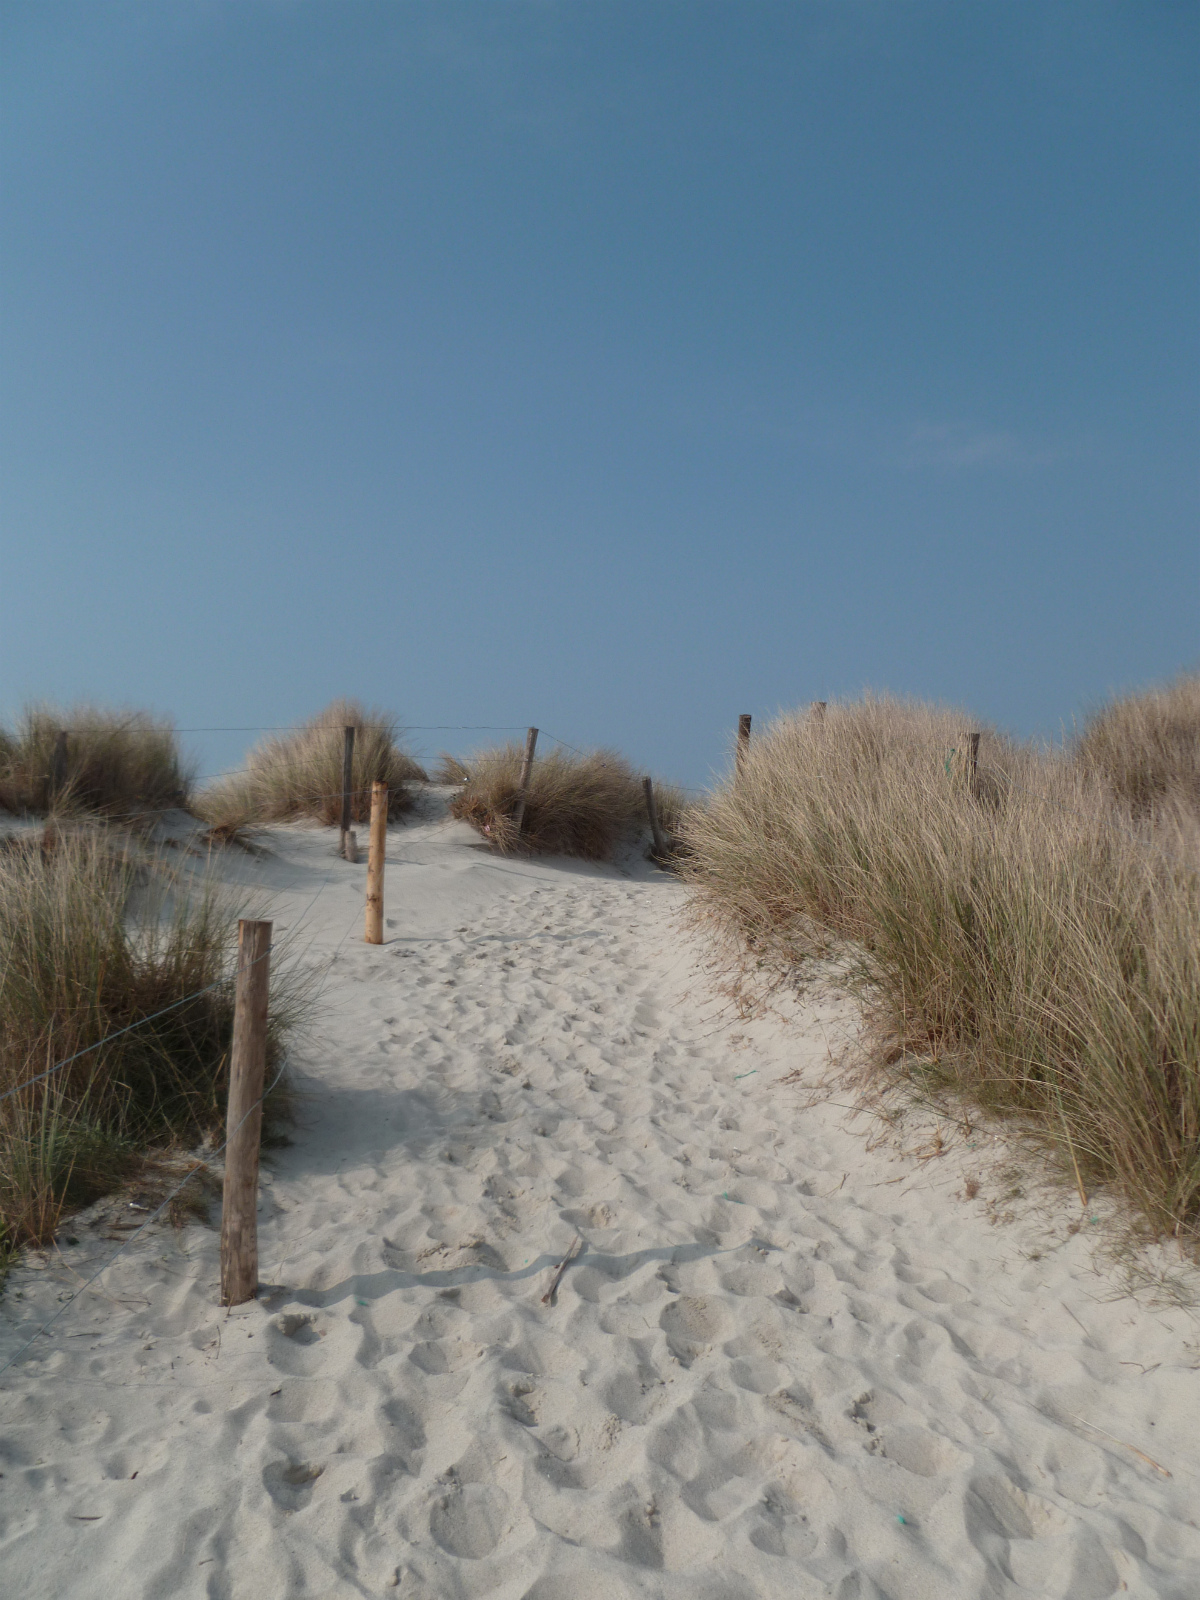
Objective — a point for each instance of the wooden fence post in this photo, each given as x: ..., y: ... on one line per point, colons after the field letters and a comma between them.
x: 379, y: 816
x: 243, y: 1123
x: 660, y: 843
x: 972, y: 762
x: 523, y: 784
x: 347, y: 785
x: 743, y: 740
x: 818, y: 710
x: 58, y: 765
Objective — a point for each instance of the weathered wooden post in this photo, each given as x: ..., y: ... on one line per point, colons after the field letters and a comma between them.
x: 523, y: 782
x: 972, y: 754
x: 743, y: 741
x: 58, y: 765
x: 347, y: 787
x: 243, y: 1123
x: 378, y: 847
x: 818, y: 710
x: 660, y: 843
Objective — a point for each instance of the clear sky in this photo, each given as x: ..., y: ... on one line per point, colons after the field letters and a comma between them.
x: 617, y: 367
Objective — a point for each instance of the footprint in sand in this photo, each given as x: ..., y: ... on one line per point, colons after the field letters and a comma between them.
x: 290, y: 1483
x: 522, y: 1402
x: 470, y: 1520
x: 691, y: 1324
x: 437, y: 1356
x: 300, y: 1329
x: 919, y: 1451
x: 996, y: 1508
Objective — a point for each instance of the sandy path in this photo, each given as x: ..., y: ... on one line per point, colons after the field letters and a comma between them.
x: 782, y: 1366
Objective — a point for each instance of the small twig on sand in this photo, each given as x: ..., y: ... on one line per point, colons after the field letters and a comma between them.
x: 1132, y: 1448
x: 548, y: 1297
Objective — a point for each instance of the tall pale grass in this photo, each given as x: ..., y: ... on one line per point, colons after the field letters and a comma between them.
x: 95, y: 935
x: 450, y: 770
x: 1145, y: 748
x: 576, y: 805
x: 1028, y: 946
x: 300, y: 774
x: 118, y: 763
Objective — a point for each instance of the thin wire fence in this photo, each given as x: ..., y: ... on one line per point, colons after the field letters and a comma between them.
x: 108, y: 1038
x: 306, y: 727
x: 200, y: 1165
x: 944, y: 753
x: 948, y: 752
x: 142, y: 1022
x: 209, y: 988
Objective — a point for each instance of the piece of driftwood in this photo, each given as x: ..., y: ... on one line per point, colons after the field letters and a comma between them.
x: 572, y: 1253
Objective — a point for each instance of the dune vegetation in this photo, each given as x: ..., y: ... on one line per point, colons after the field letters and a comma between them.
x: 113, y: 763
x: 672, y: 804
x: 1145, y: 749
x: 577, y: 804
x: 99, y: 935
x: 450, y: 770
x: 1026, y: 939
x: 299, y: 774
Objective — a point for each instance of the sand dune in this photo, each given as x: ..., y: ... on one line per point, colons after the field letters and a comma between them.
x: 782, y: 1364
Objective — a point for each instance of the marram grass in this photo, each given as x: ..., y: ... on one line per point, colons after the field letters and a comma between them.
x: 1033, y: 947
x: 119, y: 763
x: 96, y: 934
x: 576, y: 805
x: 299, y: 774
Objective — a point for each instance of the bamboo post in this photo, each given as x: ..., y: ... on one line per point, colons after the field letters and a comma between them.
x: 660, y: 844
x: 379, y: 814
x: 972, y: 762
x: 58, y: 765
x: 243, y: 1123
x: 743, y: 740
x: 347, y: 785
x: 523, y: 783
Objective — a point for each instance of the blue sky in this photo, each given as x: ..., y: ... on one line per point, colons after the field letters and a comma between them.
x: 617, y: 367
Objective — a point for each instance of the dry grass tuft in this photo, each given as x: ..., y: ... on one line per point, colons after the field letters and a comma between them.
x: 300, y: 774
x: 1029, y: 948
x: 577, y: 805
x: 118, y: 763
x: 95, y: 935
x: 672, y: 804
x: 450, y: 770
x: 1146, y: 748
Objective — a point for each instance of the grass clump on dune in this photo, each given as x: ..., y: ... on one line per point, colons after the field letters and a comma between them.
x: 1027, y: 945
x: 450, y: 770
x: 118, y: 763
x: 576, y: 805
x: 672, y: 804
x: 1146, y: 748
x: 300, y: 774
x: 95, y: 936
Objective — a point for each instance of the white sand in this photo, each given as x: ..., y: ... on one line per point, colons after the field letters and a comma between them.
x: 784, y: 1365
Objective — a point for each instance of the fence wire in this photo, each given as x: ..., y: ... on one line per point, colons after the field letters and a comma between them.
x: 199, y: 1166
x: 947, y: 752
x: 142, y: 1022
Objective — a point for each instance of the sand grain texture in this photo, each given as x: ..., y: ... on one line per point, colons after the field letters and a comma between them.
x: 782, y: 1365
